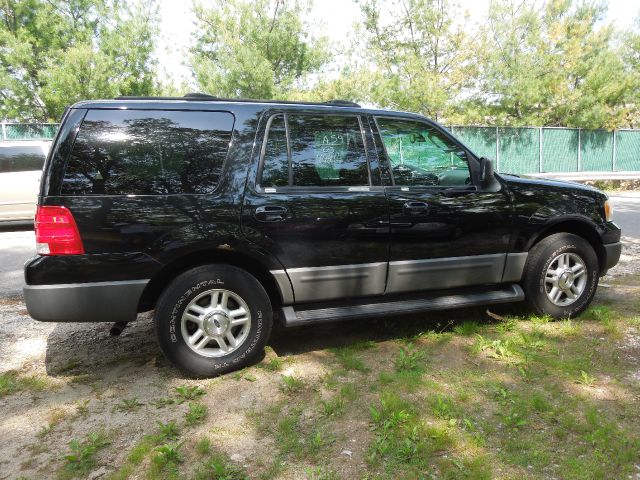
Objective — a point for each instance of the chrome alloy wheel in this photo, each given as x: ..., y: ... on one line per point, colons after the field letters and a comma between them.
x: 566, y: 279
x: 216, y: 323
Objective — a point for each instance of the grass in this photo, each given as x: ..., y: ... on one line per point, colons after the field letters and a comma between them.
x: 471, y: 398
x: 128, y: 405
x: 348, y: 358
x: 81, y: 456
x: 219, y: 467
x: 187, y: 393
x: 291, y: 384
x: 13, y: 382
x: 196, y: 414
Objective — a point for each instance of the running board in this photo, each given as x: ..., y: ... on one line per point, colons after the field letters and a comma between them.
x: 505, y: 294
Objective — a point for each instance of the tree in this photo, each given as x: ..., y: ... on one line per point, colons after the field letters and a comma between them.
x: 55, y: 52
x: 258, y: 49
x: 550, y: 65
x: 423, y: 60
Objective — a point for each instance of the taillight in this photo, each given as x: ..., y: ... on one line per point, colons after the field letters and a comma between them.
x: 56, y: 232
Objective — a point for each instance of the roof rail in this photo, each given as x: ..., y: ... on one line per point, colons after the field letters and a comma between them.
x: 205, y: 97
x: 342, y: 103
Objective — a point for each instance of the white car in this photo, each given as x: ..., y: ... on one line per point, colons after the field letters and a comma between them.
x: 20, y: 170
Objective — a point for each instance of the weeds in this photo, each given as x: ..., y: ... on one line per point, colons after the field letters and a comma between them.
x: 81, y: 457
x: 169, y: 430
x: 291, y: 384
x: 218, y: 467
x: 187, y: 393
x: 196, y: 414
x: 128, y: 405
x: 274, y: 364
x: 408, y: 359
x: 586, y: 379
x: 162, y: 402
x: 12, y: 382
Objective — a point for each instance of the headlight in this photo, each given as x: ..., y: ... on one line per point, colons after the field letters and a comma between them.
x: 608, y: 210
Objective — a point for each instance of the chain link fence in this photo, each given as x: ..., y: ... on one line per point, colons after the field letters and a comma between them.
x: 554, y: 150
x: 28, y: 131
x: 514, y: 149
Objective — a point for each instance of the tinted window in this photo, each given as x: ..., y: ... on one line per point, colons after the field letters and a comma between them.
x: 148, y: 152
x: 275, y: 170
x: 326, y: 150
x: 21, y: 159
x: 421, y: 155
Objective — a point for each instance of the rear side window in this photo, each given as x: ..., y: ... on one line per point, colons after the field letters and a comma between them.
x: 21, y: 159
x: 324, y: 151
x: 148, y: 152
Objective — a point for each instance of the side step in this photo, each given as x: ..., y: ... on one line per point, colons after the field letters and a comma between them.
x: 428, y: 301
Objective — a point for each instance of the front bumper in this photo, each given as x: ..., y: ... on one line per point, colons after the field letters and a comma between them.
x: 612, y: 253
x: 85, y: 302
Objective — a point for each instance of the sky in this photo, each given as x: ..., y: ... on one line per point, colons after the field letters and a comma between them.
x: 333, y: 18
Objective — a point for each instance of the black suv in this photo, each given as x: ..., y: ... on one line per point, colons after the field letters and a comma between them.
x: 221, y: 214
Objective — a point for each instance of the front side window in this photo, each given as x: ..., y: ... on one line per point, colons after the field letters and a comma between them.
x: 419, y: 154
x: 323, y: 151
x: 148, y: 152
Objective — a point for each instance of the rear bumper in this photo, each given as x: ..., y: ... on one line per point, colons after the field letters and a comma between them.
x: 612, y: 255
x: 85, y: 302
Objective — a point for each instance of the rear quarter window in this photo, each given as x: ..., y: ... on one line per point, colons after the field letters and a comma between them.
x: 148, y: 152
x: 21, y: 159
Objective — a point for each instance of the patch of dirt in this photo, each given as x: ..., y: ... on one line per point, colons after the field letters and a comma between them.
x: 629, y: 263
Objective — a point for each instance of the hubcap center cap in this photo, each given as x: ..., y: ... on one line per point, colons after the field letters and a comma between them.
x: 216, y: 324
x: 565, y: 280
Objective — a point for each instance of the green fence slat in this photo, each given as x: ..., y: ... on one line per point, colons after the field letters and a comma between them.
x: 628, y: 150
x: 519, y: 149
x: 30, y: 131
x: 559, y: 150
x: 481, y: 140
x: 596, y: 148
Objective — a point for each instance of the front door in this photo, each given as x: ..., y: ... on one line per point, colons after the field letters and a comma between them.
x: 316, y: 207
x: 445, y: 231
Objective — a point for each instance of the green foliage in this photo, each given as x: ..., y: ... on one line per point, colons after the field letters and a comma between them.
x: 169, y: 430
x: 219, y: 467
x: 12, y: 382
x: 291, y: 384
x: 196, y: 413
x: 188, y: 392
x: 81, y: 458
x: 423, y: 59
x: 128, y: 405
x: 55, y: 52
x: 256, y: 49
x: 551, y: 64
x: 408, y: 359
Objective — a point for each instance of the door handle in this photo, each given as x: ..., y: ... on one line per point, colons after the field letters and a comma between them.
x: 415, y: 208
x: 271, y: 213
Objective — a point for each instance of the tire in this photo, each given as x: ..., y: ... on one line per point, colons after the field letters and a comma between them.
x: 218, y: 316
x: 551, y: 263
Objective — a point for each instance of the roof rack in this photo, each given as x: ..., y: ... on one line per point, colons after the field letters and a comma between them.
x: 205, y: 97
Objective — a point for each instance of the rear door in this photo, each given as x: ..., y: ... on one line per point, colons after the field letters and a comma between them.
x: 445, y: 231
x: 318, y: 206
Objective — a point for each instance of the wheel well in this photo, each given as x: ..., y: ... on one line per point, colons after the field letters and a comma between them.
x: 580, y: 229
x: 164, y: 277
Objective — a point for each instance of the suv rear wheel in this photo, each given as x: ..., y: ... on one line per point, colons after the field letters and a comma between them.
x: 212, y: 320
x: 561, y: 276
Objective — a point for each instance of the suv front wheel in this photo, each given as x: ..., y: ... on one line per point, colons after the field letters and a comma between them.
x: 561, y: 276
x: 212, y: 320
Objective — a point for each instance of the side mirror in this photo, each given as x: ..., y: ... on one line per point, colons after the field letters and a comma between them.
x: 486, y: 171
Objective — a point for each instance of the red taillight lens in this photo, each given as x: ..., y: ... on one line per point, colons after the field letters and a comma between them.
x: 56, y: 232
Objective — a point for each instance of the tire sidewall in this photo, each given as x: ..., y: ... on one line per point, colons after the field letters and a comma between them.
x: 191, y: 284
x: 550, y: 251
